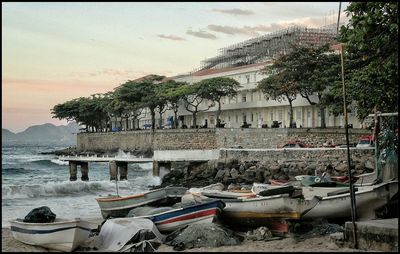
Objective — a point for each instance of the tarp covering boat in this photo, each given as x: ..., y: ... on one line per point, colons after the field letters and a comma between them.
x: 116, y: 233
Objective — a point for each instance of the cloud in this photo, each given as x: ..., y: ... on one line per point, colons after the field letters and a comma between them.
x: 232, y: 30
x: 234, y: 11
x: 110, y: 72
x: 202, y: 34
x: 262, y: 29
x: 171, y: 37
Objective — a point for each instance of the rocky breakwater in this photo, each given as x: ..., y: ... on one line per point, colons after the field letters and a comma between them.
x: 233, y: 171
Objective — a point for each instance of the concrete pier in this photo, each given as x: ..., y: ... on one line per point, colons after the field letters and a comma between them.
x: 123, y: 170
x: 156, y: 168
x: 73, y: 168
x: 84, y: 171
x: 113, y: 170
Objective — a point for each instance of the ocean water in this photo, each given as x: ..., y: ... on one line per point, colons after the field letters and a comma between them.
x: 31, y: 179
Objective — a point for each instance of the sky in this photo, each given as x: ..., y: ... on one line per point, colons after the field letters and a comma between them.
x: 55, y: 52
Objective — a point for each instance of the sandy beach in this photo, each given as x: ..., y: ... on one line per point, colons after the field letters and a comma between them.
x: 314, y: 244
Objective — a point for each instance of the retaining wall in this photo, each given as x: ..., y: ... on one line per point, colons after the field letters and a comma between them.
x: 145, y: 140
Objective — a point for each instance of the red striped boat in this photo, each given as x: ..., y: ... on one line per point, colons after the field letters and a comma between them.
x: 177, y: 218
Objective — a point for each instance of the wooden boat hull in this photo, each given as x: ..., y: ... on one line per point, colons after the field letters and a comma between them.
x: 368, y: 199
x: 62, y: 235
x: 117, y: 206
x: 178, y: 218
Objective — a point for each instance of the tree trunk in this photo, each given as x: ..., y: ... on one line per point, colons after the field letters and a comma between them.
x: 160, y: 120
x: 194, y: 119
x: 322, y: 112
x: 153, y: 118
x: 291, y: 114
x: 176, y: 119
x: 218, y: 114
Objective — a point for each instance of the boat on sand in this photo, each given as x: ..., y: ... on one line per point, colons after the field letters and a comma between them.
x: 337, y: 205
x: 62, y: 234
x: 119, y: 206
x: 169, y: 219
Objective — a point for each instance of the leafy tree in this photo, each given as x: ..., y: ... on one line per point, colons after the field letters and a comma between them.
x: 141, y: 94
x: 371, y: 60
x: 315, y: 70
x: 217, y: 88
x: 172, y: 92
x: 68, y: 110
x: 193, y: 96
x: 280, y: 84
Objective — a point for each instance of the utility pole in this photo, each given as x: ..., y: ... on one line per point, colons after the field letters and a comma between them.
x: 338, y: 18
x: 352, y: 194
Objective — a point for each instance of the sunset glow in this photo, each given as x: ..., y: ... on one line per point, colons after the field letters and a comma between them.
x: 54, y: 52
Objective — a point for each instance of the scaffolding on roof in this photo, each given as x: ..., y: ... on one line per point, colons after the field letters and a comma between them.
x: 266, y: 47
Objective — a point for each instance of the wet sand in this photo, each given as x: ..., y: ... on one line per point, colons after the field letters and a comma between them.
x: 315, y: 244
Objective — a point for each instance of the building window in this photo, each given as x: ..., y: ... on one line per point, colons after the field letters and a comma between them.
x: 280, y: 114
x: 255, y: 77
x: 244, y: 118
x: 244, y: 98
x: 252, y: 117
x: 259, y: 96
x: 251, y: 97
x: 272, y: 116
x: 237, y: 118
x: 248, y: 79
x: 229, y: 118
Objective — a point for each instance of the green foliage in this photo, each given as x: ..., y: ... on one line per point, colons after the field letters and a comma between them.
x: 89, y: 111
x: 215, y: 89
x: 371, y: 60
x: 141, y: 94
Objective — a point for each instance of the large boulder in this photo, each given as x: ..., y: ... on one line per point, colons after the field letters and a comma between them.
x: 202, y: 235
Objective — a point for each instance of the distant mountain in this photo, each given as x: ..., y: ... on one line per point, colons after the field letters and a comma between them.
x: 43, y: 134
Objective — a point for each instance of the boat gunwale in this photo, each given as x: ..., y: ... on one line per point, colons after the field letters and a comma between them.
x: 110, y: 199
x: 366, y: 189
x: 60, y: 221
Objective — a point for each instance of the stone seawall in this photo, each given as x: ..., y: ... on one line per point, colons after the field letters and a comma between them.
x: 271, y: 138
x: 146, y: 140
x: 246, y: 166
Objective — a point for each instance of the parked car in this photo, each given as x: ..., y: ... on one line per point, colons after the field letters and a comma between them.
x: 147, y: 126
x: 294, y: 144
x: 366, y: 141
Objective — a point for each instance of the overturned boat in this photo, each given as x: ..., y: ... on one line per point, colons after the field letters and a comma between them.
x: 62, y: 234
x: 119, y: 206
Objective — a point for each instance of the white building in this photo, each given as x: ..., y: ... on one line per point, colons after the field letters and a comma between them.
x: 244, y: 62
x: 252, y: 107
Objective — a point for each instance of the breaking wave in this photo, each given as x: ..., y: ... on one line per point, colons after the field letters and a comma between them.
x: 68, y: 188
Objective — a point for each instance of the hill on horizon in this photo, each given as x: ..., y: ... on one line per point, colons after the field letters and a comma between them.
x: 44, y: 134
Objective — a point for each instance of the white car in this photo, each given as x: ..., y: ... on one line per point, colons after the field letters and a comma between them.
x: 365, y: 143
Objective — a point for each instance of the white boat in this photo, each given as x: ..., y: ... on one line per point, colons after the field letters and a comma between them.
x: 368, y: 199
x: 271, y: 211
x: 119, y: 206
x: 62, y: 234
x: 260, y: 211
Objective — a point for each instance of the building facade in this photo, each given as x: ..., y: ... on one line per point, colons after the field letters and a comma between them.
x: 245, y: 62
